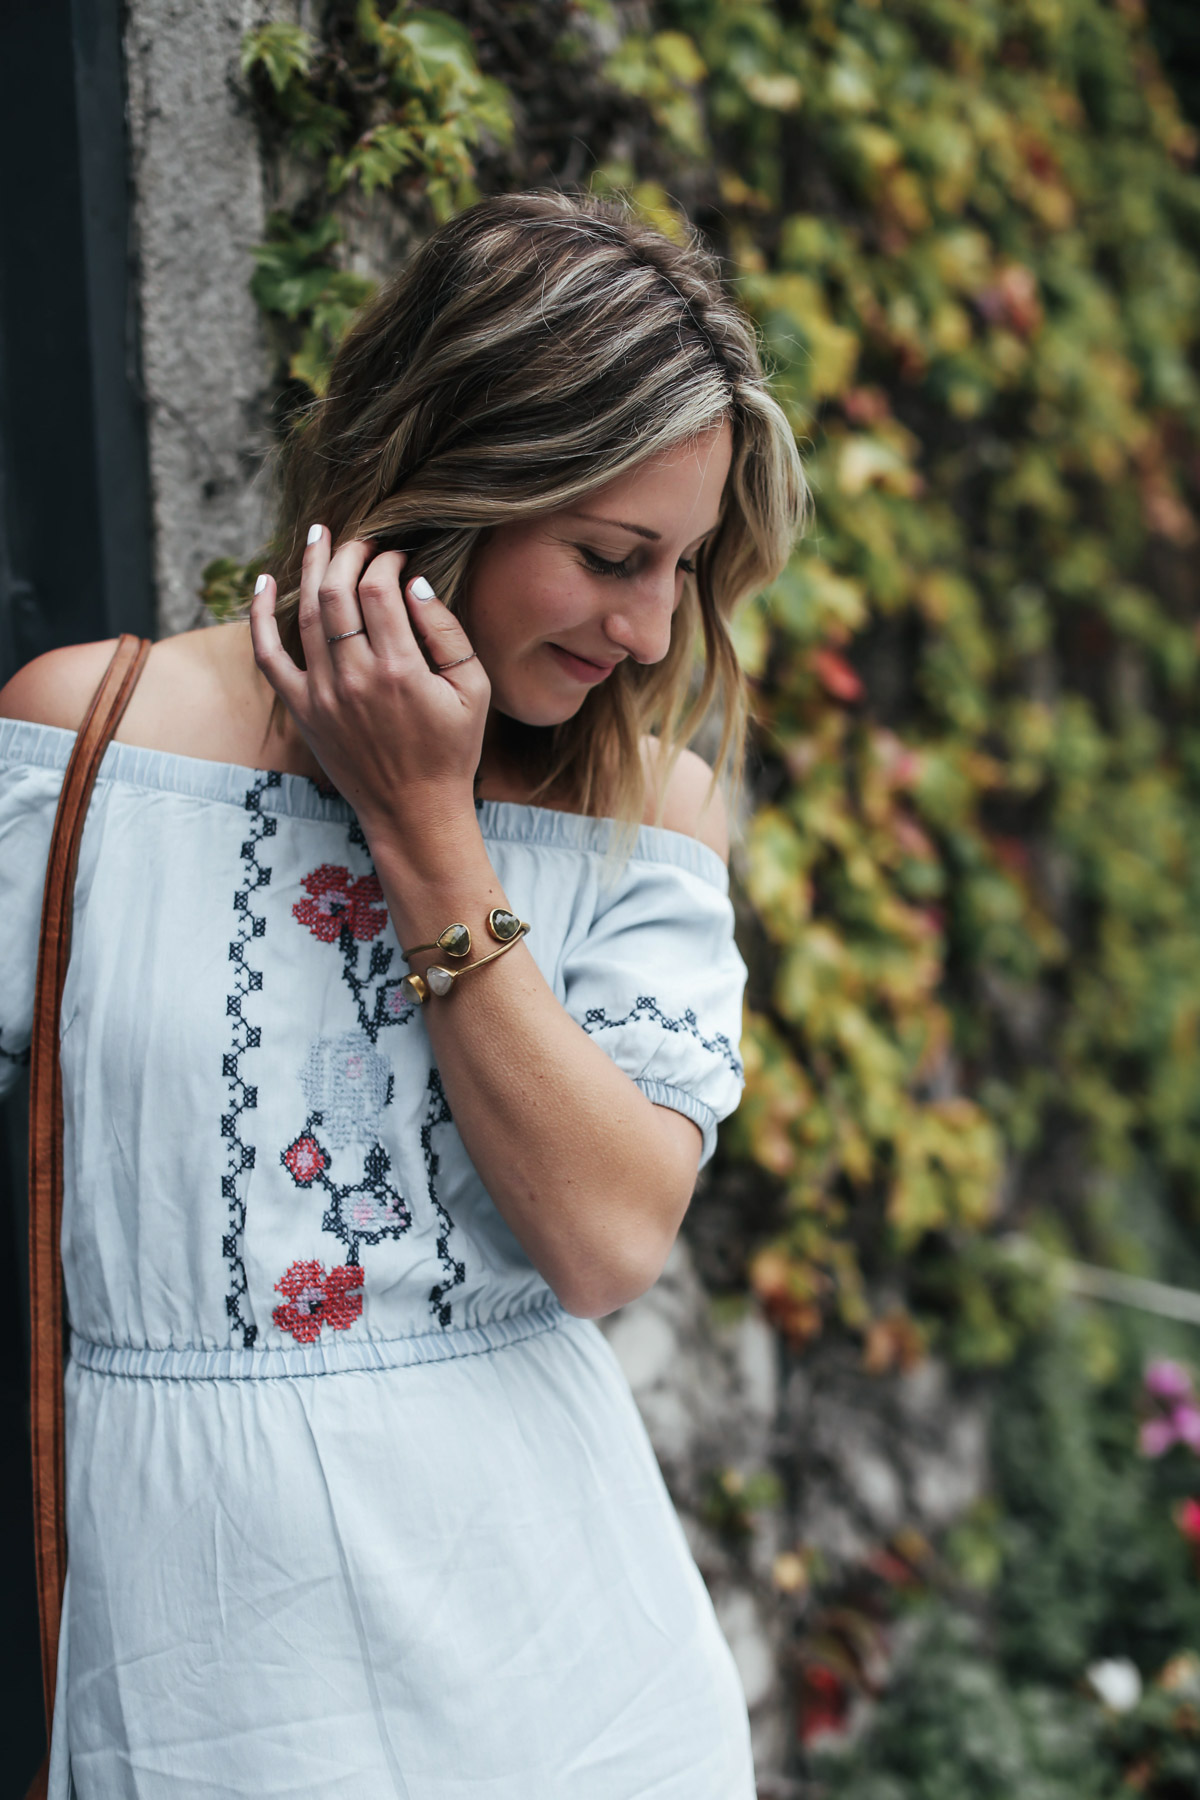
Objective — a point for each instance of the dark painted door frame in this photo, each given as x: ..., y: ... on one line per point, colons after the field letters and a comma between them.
x: 75, y: 549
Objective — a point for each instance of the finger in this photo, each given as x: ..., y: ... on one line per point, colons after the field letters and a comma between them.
x: 439, y: 631
x: 337, y: 594
x: 317, y: 556
x: 285, y: 678
x: 384, y: 611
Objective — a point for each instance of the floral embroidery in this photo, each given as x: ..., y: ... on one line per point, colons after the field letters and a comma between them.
x: 337, y: 900
x: 314, y: 1299
x: 359, y: 1212
x: 349, y: 1083
x: 304, y: 1160
x: 348, y: 910
x: 437, y: 1112
x: 346, y: 1080
x: 242, y: 1096
x: 646, y: 1007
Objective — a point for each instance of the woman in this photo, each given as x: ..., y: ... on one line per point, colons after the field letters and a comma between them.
x: 358, y: 1500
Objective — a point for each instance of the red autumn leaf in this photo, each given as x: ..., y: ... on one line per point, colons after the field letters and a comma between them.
x: 836, y: 676
x: 824, y: 1703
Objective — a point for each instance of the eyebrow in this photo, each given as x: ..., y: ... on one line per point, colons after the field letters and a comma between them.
x: 643, y: 531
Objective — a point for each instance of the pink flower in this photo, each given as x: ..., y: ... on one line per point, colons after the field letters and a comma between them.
x: 1186, y: 1421
x: 1168, y: 1380
x: 314, y: 1299
x: 1156, y: 1436
x: 335, y: 898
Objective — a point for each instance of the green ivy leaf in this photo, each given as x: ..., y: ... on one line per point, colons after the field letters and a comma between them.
x: 285, y: 52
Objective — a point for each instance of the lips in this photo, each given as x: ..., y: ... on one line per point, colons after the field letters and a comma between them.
x: 581, y: 667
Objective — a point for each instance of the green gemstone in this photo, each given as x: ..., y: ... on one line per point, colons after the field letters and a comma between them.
x: 455, y: 940
x: 503, y: 925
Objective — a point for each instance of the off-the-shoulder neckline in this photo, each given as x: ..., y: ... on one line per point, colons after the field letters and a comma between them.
x: 298, y: 797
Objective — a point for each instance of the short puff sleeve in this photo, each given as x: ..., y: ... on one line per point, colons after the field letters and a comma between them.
x: 658, y: 982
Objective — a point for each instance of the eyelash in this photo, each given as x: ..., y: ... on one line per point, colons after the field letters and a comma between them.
x: 621, y: 571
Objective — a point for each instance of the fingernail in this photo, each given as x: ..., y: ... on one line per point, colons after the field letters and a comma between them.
x: 314, y: 534
x: 420, y: 589
x: 260, y: 584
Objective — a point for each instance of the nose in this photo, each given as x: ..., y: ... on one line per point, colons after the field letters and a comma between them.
x: 641, y: 626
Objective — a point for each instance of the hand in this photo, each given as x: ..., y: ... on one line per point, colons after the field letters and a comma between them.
x: 400, y: 741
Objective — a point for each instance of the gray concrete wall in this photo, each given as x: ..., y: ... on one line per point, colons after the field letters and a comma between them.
x: 199, y: 206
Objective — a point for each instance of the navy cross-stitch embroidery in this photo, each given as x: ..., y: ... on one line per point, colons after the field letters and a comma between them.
x: 646, y: 1007
x: 243, y: 1095
x: 348, y: 1084
x: 437, y: 1112
x: 18, y: 1057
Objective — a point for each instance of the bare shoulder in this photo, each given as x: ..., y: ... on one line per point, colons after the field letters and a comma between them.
x: 692, y: 803
x: 57, y: 687
x: 197, y: 697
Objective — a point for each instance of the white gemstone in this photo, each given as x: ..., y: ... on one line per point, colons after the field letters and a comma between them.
x: 440, y: 980
x: 413, y: 989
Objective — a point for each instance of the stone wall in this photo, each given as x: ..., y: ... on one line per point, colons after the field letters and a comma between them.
x: 199, y: 207
x: 861, y: 1456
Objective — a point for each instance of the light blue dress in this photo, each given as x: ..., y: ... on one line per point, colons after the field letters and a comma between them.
x: 356, y: 1510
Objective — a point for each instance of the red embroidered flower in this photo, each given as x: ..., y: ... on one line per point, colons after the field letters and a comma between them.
x: 304, y: 1160
x: 335, y: 898
x: 314, y: 1299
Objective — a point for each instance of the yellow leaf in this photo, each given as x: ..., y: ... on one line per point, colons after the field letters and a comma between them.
x: 779, y: 93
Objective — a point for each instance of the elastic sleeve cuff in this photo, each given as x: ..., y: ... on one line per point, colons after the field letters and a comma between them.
x: 662, y: 1094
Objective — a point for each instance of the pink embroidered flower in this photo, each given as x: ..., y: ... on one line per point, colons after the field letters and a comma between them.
x: 336, y: 898
x: 304, y: 1160
x: 314, y: 1298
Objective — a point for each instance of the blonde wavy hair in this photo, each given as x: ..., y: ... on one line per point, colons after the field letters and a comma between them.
x: 534, y: 348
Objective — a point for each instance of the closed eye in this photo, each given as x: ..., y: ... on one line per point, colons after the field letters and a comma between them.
x: 600, y: 565
x: 621, y: 571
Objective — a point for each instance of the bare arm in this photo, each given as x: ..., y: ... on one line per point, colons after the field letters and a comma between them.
x: 593, y: 1178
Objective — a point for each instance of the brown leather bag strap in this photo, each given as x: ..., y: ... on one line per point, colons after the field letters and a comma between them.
x: 46, y: 1152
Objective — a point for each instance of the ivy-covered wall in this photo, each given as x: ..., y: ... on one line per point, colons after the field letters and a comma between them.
x: 969, y: 235
x: 970, y: 875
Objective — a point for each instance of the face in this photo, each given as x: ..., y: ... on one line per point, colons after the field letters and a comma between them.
x: 555, y: 603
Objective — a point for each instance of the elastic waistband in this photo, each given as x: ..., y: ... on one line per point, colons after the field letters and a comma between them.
x: 328, y: 1356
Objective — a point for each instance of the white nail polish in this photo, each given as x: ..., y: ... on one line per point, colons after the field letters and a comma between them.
x: 260, y: 584
x: 420, y: 589
x: 314, y: 534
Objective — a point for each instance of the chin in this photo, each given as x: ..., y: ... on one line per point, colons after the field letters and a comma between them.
x: 540, y: 711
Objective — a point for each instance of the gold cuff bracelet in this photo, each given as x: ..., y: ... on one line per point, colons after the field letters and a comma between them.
x: 455, y: 940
